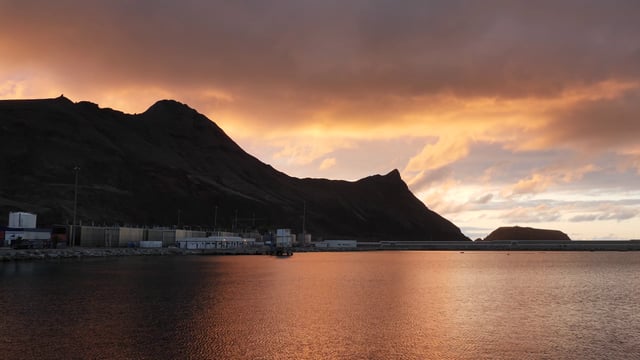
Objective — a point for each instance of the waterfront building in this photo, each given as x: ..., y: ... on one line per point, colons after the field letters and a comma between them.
x: 215, y: 242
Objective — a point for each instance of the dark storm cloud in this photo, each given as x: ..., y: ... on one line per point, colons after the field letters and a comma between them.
x: 502, y: 95
x: 598, y: 123
x: 501, y: 48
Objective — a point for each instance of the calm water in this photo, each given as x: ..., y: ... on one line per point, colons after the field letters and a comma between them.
x: 373, y: 305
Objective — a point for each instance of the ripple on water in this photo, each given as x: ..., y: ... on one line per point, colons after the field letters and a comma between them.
x: 375, y: 305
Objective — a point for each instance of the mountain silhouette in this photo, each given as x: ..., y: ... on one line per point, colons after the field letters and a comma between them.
x: 173, y: 166
x: 525, y: 233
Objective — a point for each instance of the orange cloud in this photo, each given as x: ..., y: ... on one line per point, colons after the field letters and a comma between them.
x: 539, y: 182
x: 327, y: 163
x: 435, y: 156
x: 301, y: 84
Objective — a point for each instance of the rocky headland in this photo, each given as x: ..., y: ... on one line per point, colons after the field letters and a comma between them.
x: 525, y: 233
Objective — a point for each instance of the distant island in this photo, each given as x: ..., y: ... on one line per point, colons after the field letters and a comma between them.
x: 525, y: 233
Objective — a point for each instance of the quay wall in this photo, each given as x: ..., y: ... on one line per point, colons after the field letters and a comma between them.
x: 78, y: 253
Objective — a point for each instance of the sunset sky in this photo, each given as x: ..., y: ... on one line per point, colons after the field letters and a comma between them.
x: 496, y: 113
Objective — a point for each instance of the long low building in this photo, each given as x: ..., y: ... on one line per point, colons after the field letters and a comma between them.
x: 337, y: 244
x: 215, y: 242
x: 8, y: 235
x: 117, y: 236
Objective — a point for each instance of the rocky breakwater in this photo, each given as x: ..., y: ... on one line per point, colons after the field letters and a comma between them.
x: 77, y: 253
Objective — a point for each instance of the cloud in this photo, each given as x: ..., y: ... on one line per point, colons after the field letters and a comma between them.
x: 608, y: 212
x: 594, y: 124
x: 538, y: 214
x: 541, y: 180
x: 306, y: 150
x: 425, y: 179
x: 482, y: 199
x: 536, y: 183
x: 433, y: 156
x: 521, y: 100
x: 327, y: 163
x: 581, y: 218
x: 361, y: 52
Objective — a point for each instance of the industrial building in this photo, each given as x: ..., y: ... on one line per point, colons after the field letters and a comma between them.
x: 22, y: 228
x: 97, y: 236
x: 215, y: 242
x: 100, y: 236
x: 169, y: 237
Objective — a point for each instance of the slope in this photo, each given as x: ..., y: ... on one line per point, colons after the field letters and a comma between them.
x: 173, y: 166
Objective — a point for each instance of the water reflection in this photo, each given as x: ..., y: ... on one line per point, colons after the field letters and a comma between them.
x: 375, y: 305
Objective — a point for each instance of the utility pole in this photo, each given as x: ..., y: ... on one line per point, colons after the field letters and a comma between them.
x: 76, y: 169
x: 215, y: 218
x: 179, y: 213
x: 235, y: 222
x: 304, y: 222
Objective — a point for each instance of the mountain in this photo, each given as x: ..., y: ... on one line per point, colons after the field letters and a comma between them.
x: 173, y: 166
x: 525, y: 233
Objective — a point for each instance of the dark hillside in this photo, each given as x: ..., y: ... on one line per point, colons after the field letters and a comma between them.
x: 173, y: 166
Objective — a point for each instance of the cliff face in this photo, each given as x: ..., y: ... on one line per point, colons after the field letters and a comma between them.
x: 526, y: 233
x: 172, y: 166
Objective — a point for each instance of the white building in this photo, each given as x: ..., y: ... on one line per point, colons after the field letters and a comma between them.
x: 284, y: 238
x: 22, y: 220
x: 22, y: 226
x: 12, y: 235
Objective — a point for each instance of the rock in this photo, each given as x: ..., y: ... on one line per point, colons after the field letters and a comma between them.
x: 525, y: 233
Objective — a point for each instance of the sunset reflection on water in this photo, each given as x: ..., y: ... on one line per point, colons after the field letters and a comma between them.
x: 353, y: 305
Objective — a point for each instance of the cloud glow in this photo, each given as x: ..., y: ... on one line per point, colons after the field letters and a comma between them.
x: 494, y: 113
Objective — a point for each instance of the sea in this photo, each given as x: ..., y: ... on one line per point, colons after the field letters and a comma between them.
x: 325, y: 305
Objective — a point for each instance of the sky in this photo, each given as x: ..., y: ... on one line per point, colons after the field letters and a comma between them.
x: 496, y: 113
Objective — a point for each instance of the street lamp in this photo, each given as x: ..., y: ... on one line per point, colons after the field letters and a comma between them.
x: 76, y: 169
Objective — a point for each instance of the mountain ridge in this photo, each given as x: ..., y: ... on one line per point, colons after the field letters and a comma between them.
x: 171, y: 165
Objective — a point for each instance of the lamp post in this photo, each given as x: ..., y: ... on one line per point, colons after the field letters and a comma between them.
x: 76, y: 169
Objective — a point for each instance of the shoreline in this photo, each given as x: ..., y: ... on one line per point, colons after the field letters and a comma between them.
x: 9, y: 254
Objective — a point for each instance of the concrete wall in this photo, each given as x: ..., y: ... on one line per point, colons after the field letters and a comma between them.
x: 99, y: 236
x: 169, y: 237
x: 91, y: 236
x: 130, y: 236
